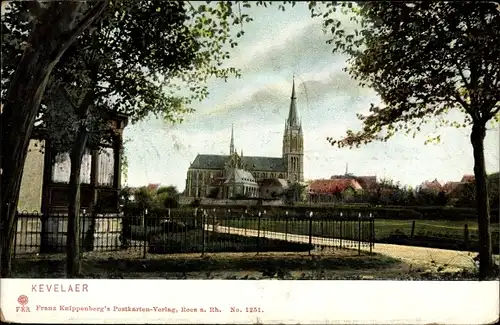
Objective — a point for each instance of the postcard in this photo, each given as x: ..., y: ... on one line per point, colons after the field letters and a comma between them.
x: 250, y: 162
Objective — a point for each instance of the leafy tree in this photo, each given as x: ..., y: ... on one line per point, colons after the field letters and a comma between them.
x: 293, y: 193
x: 56, y: 25
x: 467, y: 192
x: 426, y: 60
x: 135, y: 54
x: 168, y: 196
x: 493, y: 189
x: 145, y: 197
x: 151, y: 199
x: 170, y: 191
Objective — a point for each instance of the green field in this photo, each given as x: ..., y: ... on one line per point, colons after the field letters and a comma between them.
x: 432, y: 233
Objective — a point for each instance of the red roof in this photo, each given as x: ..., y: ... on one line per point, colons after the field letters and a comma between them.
x: 367, y: 182
x: 153, y: 187
x: 450, y: 186
x: 332, y: 186
x: 468, y: 179
x: 434, y: 185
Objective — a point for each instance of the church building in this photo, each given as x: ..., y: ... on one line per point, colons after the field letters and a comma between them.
x: 239, y: 176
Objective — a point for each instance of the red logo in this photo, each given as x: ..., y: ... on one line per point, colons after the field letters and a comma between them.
x: 23, y: 301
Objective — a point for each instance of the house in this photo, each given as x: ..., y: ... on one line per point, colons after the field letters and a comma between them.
x: 453, y: 189
x: 272, y: 188
x: 45, y: 188
x: 153, y: 187
x: 431, y: 186
x: 333, y: 190
x: 367, y: 182
x: 468, y: 179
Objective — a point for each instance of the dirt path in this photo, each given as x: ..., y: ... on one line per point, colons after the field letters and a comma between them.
x: 419, y: 256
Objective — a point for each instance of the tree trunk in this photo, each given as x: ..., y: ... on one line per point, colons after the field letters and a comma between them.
x: 73, y: 264
x: 483, y: 209
x: 50, y: 38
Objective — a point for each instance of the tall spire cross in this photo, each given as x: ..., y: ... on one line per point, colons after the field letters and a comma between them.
x: 231, y: 145
x: 293, y: 119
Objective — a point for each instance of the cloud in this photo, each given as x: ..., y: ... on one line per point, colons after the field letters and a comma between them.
x: 315, y: 91
x: 258, y: 103
x: 296, y: 46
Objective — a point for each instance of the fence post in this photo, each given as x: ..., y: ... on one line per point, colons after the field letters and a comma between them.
x: 203, y: 218
x: 371, y: 225
x: 286, y: 225
x: 258, y: 233
x: 412, y: 229
x: 466, y: 237
x: 310, y: 231
x: 359, y: 234
x: 341, y: 230
x: 144, y: 214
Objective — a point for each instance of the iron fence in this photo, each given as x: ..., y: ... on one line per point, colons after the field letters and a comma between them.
x: 198, y: 231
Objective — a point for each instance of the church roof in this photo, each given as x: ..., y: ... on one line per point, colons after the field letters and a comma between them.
x: 241, y: 176
x: 271, y: 164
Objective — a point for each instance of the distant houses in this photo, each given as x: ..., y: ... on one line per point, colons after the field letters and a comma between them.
x: 431, y: 186
x: 333, y: 190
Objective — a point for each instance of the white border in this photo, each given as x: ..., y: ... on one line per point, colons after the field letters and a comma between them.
x: 280, y: 301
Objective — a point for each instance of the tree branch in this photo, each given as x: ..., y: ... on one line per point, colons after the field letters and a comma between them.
x: 89, y: 17
x: 35, y: 8
x: 64, y: 91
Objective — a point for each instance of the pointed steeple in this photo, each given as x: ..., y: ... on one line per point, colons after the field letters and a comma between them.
x: 293, y: 118
x: 231, y: 145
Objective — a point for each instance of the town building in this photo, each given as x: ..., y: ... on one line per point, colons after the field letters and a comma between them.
x: 44, y: 192
x: 431, y: 186
x: 333, y: 190
x: 236, y: 175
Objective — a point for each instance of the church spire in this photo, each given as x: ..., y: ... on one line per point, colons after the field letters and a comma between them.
x: 292, y: 114
x: 231, y: 145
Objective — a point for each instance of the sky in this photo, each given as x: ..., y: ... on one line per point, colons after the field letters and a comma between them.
x: 276, y: 46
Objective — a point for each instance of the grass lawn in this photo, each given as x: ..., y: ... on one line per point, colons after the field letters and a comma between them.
x: 432, y: 233
x: 343, y: 264
x: 197, y: 241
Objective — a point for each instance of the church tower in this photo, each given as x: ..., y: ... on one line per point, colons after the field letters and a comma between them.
x: 293, y: 143
x: 231, y: 145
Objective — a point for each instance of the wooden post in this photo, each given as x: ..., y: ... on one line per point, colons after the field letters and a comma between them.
x: 341, y: 230
x: 310, y: 231
x: 117, y: 157
x: 286, y: 225
x: 258, y: 234
x: 145, y: 233
x: 412, y: 229
x: 372, y: 237
x: 45, y: 206
x: 466, y: 237
x: 203, y: 218
x: 359, y: 233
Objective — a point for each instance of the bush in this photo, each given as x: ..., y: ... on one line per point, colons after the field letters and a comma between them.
x: 192, y: 242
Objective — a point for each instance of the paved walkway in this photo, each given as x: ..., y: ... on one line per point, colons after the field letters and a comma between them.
x: 418, y: 256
